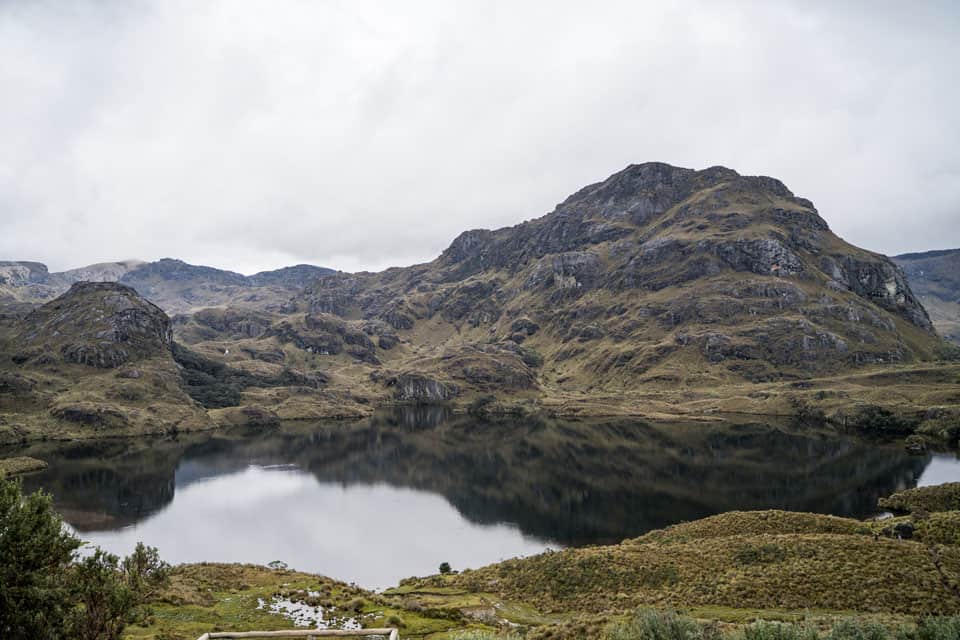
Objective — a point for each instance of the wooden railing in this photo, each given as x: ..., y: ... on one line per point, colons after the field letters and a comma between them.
x: 392, y: 633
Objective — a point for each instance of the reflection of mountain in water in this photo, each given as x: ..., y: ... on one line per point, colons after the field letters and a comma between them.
x: 572, y: 482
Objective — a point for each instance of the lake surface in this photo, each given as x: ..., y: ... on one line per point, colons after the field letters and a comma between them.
x: 375, y: 501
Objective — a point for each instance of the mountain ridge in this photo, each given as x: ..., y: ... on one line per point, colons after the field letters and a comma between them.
x: 659, y: 291
x: 173, y: 284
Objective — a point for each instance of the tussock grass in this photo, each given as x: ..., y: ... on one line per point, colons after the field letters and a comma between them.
x: 734, y: 523
x: 723, y: 561
x: 941, y: 497
x: 20, y: 464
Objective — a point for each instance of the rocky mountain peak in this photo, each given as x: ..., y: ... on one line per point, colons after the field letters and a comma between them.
x: 653, y: 267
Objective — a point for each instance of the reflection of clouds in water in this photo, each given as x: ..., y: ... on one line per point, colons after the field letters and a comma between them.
x: 942, y: 468
x: 373, y: 535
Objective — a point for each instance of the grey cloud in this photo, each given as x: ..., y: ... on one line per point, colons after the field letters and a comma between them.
x: 361, y: 135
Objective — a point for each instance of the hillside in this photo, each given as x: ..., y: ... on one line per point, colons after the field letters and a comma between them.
x: 759, y: 560
x: 173, y: 285
x: 729, y: 570
x: 935, y: 277
x: 660, y: 291
x: 95, y: 361
x: 656, y: 280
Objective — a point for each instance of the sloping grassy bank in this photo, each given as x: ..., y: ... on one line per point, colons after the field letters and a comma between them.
x: 816, y: 572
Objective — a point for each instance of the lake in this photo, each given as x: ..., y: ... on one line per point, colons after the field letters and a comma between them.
x: 374, y: 501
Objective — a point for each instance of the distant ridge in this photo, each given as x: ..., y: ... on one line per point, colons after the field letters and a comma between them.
x: 174, y: 285
x: 935, y: 277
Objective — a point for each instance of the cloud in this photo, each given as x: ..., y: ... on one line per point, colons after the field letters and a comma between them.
x: 250, y: 134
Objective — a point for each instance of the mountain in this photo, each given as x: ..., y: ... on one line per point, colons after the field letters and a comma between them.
x: 95, y: 361
x: 660, y: 291
x: 32, y: 282
x: 935, y: 277
x: 655, y: 274
x: 174, y: 285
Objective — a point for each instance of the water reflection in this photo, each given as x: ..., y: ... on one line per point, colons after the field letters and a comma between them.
x: 381, y: 499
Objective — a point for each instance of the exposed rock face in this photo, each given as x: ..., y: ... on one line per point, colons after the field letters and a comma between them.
x: 234, y: 322
x: 414, y: 387
x: 325, y: 334
x: 97, y: 324
x: 935, y: 277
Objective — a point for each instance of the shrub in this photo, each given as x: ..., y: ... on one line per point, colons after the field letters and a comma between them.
x: 806, y: 412
x: 858, y: 630
x: 879, y: 421
x: 35, y: 555
x: 395, y: 621
x: 650, y: 624
x: 45, y: 593
x: 356, y: 605
x: 111, y: 591
x: 478, y: 634
x: 531, y: 357
x: 775, y: 631
x: 445, y: 568
x: 937, y: 628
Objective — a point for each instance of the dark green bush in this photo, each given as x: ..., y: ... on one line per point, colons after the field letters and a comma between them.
x: 879, y: 421
x: 35, y: 556
x: 45, y: 592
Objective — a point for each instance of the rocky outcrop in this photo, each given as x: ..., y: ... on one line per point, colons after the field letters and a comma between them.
x: 881, y: 282
x: 236, y: 323
x: 418, y: 388
x: 97, y: 324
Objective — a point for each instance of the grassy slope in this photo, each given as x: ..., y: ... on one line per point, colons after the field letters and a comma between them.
x: 733, y: 568
x: 19, y: 465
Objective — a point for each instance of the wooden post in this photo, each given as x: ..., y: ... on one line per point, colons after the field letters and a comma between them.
x: 391, y: 632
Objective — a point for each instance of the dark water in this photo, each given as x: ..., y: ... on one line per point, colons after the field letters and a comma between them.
x: 375, y: 501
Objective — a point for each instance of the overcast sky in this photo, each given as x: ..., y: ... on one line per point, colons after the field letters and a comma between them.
x: 359, y: 135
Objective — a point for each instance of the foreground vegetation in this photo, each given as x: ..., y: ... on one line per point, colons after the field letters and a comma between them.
x: 651, y: 624
x: 47, y: 591
x: 759, y: 575
x: 768, y: 575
